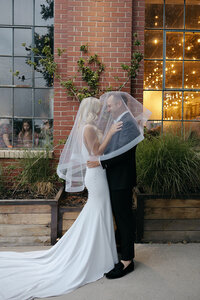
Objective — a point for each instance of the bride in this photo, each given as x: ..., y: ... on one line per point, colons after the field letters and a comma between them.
x: 87, y: 250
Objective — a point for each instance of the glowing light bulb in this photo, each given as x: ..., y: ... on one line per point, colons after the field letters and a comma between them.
x: 156, y: 17
x: 198, y: 41
x: 156, y: 24
x: 155, y: 41
x: 188, y: 48
x: 193, y: 72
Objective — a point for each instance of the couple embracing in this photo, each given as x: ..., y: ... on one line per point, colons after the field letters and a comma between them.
x: 99, y: 155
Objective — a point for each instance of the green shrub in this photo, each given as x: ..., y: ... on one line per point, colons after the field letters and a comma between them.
x: 168, y: 164
x: 38, y: 174
x: 36, y: 167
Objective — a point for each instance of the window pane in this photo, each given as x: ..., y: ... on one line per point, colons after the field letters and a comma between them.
x: 44, y: 128
x: 6, y: 102
x: 154, y: 14
x: 191, y: 105
x: 153, y: 44
x: 22, y: 102
x: 174, y: 14
x: 44, y: 12
x: 153, y: 74
x: 173, y: 74
x: 172, y: 106
x: 192, y: 14
x: 153, y: 101
x: 6, y: 12
x: 22, y: 36
x: 192, y: 130
x: 23, y: 12
x: 172, y: 127
x: 6, y: 41
x: 44, y: 103
x: 192, y: 45
x: 174, y: 45
x: 5, y: 71
x: 154, y: 127
x: 5, y: 133
x: 25, y: 72
x: 23, y: 133
x: 191, y: 74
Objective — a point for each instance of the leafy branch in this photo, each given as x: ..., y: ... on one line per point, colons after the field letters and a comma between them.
x: 90, y: 69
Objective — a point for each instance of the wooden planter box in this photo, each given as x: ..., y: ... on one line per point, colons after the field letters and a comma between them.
x: 66, y: 217
x: 162, y: 219
x: 28, y: 222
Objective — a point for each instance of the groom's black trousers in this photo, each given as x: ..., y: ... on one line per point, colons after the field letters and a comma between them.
x: 121, y: 201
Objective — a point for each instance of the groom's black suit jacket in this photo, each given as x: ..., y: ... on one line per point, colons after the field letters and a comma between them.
x: 121, y: 170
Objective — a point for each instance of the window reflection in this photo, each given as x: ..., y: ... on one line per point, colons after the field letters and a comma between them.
x: 174, y: 11
x: 43, y: 103
x: 23, y: 133
x: 44, y: 129
x: 191, y: 74
x: 25, y: 77
x: 192, y: 130
x: 44, y: 12
x: 192, y: 14
x: 173, y: 127
x: 152, y: 100
x: 174, y: 45
x: 173, y: 74
x: 6, y: 102
x: 5, y: 133
x: 153, y: 44
x: 192, y: 45
x: 42, y: 78
x: 6, y: 41
x: 154, y: 128
x: 153, y: 74
x: 176, y: 107
x: 172, y: 106
x: 191, y: 105
x: 154, y: 14
x: 5, y: 73
x: 6, y: 12
x: 22, y: 103
x: 23, y: 12
x: 22, y: 36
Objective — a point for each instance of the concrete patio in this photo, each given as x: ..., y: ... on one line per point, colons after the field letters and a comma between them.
x: 162, y: 272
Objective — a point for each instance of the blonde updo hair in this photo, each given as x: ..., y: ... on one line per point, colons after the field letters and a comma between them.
x: 89, y: 110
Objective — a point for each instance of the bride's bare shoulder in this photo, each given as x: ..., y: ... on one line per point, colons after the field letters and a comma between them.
x: 89, y: 129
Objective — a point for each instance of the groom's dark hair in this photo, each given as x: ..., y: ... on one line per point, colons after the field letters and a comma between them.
x: 124, y: 98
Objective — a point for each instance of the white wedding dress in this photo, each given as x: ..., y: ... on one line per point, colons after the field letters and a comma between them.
x: 82, y: 255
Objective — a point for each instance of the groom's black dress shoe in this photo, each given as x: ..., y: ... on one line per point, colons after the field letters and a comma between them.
x: 119, y: 270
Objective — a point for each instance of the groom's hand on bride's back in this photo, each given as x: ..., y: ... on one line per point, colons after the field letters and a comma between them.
x: 93, y: 164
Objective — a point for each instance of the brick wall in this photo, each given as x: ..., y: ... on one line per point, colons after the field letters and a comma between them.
x: 107, y: 27
x: 138, y: 26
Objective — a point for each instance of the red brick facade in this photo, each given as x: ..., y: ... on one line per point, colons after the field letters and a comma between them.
x: 107, y: 27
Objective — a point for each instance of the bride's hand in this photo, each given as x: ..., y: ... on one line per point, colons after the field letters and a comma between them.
x: 116, y: 127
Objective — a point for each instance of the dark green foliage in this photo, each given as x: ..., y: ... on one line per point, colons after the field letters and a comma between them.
x: 168, y: 165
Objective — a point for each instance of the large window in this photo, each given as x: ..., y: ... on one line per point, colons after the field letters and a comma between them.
x: 172, y: 65
x: 26, y: 95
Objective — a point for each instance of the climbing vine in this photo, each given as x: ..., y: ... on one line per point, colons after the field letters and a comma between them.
x: 90, y: 68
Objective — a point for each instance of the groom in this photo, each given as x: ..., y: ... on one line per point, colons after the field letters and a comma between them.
x: 121, y: 176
